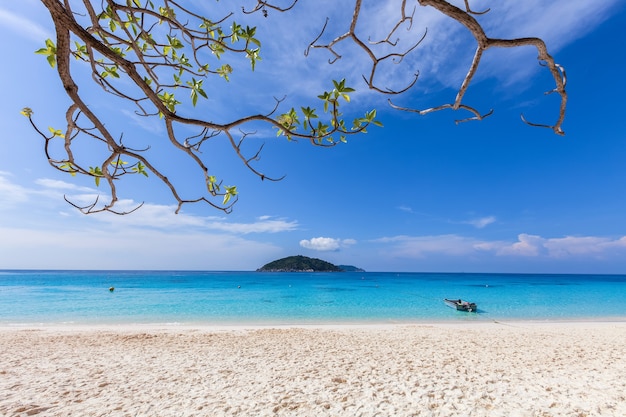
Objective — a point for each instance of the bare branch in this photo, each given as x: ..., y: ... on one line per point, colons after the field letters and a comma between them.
x: 454, y: 106
x: 469, y: 10
x: 484, y: 43
x: 264, y: 5
x: 352, y: 35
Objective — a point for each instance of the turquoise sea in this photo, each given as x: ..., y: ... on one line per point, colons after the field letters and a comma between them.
x: 226, y: 298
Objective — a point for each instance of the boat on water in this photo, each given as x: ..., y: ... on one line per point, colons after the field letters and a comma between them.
x: 460, y: 305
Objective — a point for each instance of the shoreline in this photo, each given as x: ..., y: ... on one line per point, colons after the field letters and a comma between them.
x: 518, y: 369
x: 468, y: 323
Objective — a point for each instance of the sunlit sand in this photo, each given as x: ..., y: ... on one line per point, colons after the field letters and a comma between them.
x: 436, y: 369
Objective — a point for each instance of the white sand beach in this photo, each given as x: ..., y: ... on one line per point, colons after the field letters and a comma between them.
x: 439, y: 369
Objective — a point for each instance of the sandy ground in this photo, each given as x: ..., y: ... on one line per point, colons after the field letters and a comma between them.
x: 488, y: 369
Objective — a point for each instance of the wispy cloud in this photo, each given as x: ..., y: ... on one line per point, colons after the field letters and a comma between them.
x: 150, y: 238
x: 153, y: 216
x: 420, y: 246
x: 24, y: 26
x: 536, y: 18
x: 406, y: 209
x: 481, y: 222
x: 525, y: 246
x: 130, y: 249
x: 11, y: 193
x: 61, y: 185
x: 565, y: 247
x: 326, y: 244
x: 576, y: 18
x: 447, y: 50
x: 164, y: 217
x: 259, y: 226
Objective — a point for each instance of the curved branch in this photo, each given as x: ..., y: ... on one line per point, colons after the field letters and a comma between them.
x: 264, y: 5
x: 468, y: 9
x: 453, y: 106
x: 484, y: 42
x: 403, y: 18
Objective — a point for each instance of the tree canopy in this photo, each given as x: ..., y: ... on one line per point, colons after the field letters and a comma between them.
x: 165, y: 58
x: 299, y: 263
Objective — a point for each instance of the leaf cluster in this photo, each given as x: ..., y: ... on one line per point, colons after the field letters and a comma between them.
x: 323, y: 132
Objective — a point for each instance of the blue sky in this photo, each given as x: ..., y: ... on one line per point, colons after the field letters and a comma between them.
x: 420, y: 194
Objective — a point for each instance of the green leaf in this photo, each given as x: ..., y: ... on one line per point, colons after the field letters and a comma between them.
x: 212, y: 185
x: 140, y: 169
x: 253, y: 56
x: 230, y: 192
x: 309, y: 113
x: 110, y: 71
x: 289, y: 120
x: 80, y: 50
x: 97, y: 173
x: 27, y: 111
x: 68, y: 168
x: 169, y: 101
x: 175, y: 42
x: 217, y: 50
x: 196, y: 89
x: 224, y: 71
x: 56, y: 132
x: 167, y: 12
x: 50, y: 51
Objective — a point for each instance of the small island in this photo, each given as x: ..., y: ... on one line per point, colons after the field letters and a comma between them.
x: 301, y: 263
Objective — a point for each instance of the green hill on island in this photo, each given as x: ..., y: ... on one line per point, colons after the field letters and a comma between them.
x: 301, y: 263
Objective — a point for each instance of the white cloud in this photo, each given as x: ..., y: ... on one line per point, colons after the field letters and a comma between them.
x: 11, y: 193
x: 446, y: 53
x: 260, y: 226
x: 130, y: 249
x: 481, y: 222
x: 150, y: 238
x: 526, y: 246
x: 583, y: 246
x: 326, y: 244
x: 154, y: 216
x: 576, y: 18
x: 164, y: 217
x: 61, y: 185
x: 564, y: 247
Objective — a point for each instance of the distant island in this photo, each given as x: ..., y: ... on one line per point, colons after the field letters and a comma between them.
x: 301, y: 263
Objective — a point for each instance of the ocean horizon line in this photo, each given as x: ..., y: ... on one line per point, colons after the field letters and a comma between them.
x: 309, y: 272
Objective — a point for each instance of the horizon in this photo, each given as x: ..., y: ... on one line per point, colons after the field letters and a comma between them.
x: 313, y: 272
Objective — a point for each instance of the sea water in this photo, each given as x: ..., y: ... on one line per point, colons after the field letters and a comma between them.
x: 215, y: 298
